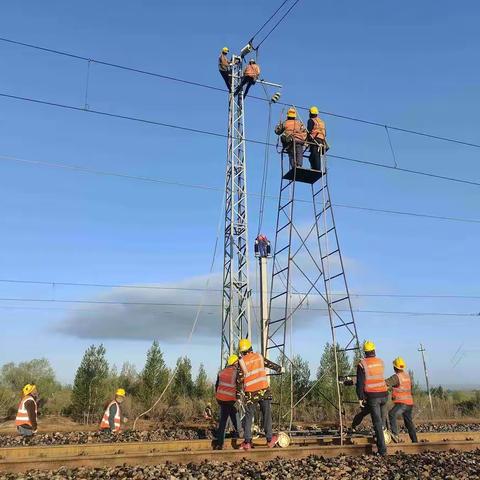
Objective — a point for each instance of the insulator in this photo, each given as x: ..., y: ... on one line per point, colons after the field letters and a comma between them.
x: 275, y: 97
x: 246, y: 49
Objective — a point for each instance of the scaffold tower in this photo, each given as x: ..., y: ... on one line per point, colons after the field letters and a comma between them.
x: 308, y: 274
x: 236, y: 291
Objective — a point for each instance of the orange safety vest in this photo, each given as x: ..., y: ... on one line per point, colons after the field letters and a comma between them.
x: 105, y: 423
x: 22, y: 417
x: 252, y: 71
x: 255, y: 375
x: 295, y: 129
x: 318, y: 130
x: 403, y: 393
x: 223, y: 64
x: 227, y: 384
x: 374, y: 375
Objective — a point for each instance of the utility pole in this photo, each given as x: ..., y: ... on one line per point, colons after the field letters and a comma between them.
x: 422, y: 351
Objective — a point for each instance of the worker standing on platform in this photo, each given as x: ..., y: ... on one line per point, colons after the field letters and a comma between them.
x: 226, y: 395
x: 316, y: 138
x: 372, y: 391
x: 113, y: 414
x: 402, y: 397
x: 253, y: 380
x: 224, y: 67
x: 250, y: 77
x: 292, y: 135
x: 26, y: 419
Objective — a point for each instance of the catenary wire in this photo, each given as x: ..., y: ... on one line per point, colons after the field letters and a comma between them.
x: 81, y: 169
x: 212, y: 87
x: 268, y: 21
x: 223, y: 135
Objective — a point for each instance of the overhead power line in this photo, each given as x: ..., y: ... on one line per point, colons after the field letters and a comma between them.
x: 53, y: 283
x: 222, y: 135
x: 268, y: 20
x: 212, y: 87
x: 81, y: 169
x: 173, y: 304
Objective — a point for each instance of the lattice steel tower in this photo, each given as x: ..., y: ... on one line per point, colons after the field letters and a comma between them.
x: 236, y: 291
x: 308, y: 271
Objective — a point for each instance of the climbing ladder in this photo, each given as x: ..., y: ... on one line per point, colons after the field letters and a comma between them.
x: 308, y: 274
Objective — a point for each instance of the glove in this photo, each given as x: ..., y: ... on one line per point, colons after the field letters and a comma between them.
x: 125, y: 420
x: 362, y: 403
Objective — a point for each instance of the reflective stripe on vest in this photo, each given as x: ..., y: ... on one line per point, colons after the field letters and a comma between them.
x: 374, y: 375
x: 403, y: 393
x: 318, y: 130
x: 105, y: 423
x: 227, y: 384
x: 255, y: 376
x: 295, y: 129
x: 22, y: 417
x: 252, y: 71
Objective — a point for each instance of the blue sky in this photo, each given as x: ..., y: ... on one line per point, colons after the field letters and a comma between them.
x: 411, y: 65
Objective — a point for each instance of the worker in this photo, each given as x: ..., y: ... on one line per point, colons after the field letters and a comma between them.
x: 226, y: 395
x: 26, y: 419
x: 254, y: 382
x: 292, y: 135
x: 207, y: 412
x: 250, y: 77
x: 372, y: 391
x: 262, y: 246
x: 402, y: 397
x: 316, y: 138
x: 113, y: 413
x: 224, y: 67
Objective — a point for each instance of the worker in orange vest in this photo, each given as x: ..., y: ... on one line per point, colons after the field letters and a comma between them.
x: 224, y: 67
x: 226, y: 395
x: 250, y: 77
x: 316, y: 138
x: 372, y: 391
x: 26, y: 419
x: 112, y: 417
x: 292, y: 135
x: 256, y: 387
x: 402, y: 397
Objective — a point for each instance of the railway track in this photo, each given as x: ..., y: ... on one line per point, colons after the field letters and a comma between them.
x: 22, y: 459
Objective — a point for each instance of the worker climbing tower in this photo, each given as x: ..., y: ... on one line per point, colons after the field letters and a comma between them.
x: 308, y: 276
x: 236, y: 291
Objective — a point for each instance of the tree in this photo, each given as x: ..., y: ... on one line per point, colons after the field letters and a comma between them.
x: 89, y: 386
x: 183, y: 384
x: 202, y: 386
x: 154, y: 376
x: 129, y: 379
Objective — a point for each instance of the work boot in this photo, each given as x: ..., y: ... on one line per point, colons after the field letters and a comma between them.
x: 246, y: 445
x: 395, y: 437
x: 273, y: 441
x: 218, y: 447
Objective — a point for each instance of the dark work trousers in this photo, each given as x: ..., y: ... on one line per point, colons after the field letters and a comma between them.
x: 377, y: 407
x: 406, y: 412
x: 295, y: 153
x: 226, y: 77
x: 248, y: 81
x: 358, y: 418
x: 266, y: 409
x: 316, y: 152
x: 227, y: 410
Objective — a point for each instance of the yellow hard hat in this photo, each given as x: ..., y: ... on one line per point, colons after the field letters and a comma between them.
x: 29, y: 388
x: 368, y: 346
x: 225, y: 50
x: 244, y: 345
x: 399, y: 363
x: 232, y: 359
x: 120, y: 392
x: 292, y: 113
x: 314, y: 110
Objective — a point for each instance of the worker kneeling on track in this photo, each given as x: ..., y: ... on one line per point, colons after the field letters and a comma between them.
x: 254, y: 381
x: 112, y: 418
x: 402, y: 398
x: 372, y: 392
x: 292, y: 135
x: 226, y: 395
x: 26, y: 419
